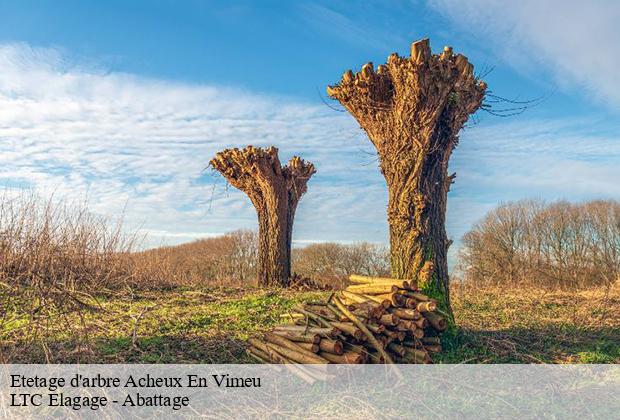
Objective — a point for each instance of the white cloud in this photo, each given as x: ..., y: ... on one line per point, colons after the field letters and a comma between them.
x: 143, y: 144
x: 140, y: 146
x: 577, y: 41
x: 353, y: 25
x: 549, y: 159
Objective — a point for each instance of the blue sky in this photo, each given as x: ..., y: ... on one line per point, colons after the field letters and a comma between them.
x: 124, y: 102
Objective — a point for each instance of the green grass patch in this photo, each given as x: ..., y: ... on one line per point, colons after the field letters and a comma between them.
x: 211, y: 326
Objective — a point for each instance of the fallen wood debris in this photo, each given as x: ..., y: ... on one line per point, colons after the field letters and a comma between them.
x: 375, y: 320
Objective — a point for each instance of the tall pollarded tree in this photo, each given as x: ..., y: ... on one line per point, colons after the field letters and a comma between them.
x: 275, y: 191
x: 412, y: 109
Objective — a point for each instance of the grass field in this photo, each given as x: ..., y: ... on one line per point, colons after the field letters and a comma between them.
x: 210, y: 326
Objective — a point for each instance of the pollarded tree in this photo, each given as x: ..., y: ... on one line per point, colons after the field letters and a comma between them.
x: 412, y: 109
x: 275, y: 191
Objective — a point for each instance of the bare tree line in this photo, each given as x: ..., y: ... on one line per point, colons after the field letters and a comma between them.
x: 231, y: 259
x: 556, y: 245
x: 331, y: 263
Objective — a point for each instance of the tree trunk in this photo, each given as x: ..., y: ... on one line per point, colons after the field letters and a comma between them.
x: 273, y: 256
x: 412, y: 110
x: 275, y: 192
x: 416, y: 219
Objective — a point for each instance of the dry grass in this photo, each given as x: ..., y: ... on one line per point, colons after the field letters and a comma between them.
x: 530, y: 325
x: 173, y: 326
x: 57, y: 261
x: 71, y: 290
x: 210, y: 326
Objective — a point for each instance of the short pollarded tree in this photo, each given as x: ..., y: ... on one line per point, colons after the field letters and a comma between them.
x: 275, y: 191
x: 412, y: 109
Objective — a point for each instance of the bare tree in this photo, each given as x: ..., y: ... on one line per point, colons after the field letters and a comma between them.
x: 412, y: 110
x: 558, y: 245
x: 275, y: 191
x: 332, y: 263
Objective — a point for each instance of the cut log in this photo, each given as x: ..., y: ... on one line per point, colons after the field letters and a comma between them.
x: 304, y: 357
x: 311, y: 347
x: 331, y: 346
x: 321, y: 311
x: 420, y: 356
x: 407, y: 313
x: 376, y: 329
x: 426, y: 306
x: 418, y: 333
x: 431, y: 341
x: 330, y: 332
x: 274, y: 356
x: 319, y: 319
x: 406, y: 325
x: 362, y: 327
x: 299, y: 336
x: 434, y: 348
x: 349, y: 329
x: 389, y: 320
x: 258, y: 355
x: 378, y: 288
x: 421, y: 323
x: 437, y: 321
x: 386, y: 302
x: 354, y: 296
x: 349, y: 357
x: 419, y: 296
x: 293, y: 351
x: 396, y: 335
x: 357, y: 279
x: 398, y: 349
x: 339, y: 315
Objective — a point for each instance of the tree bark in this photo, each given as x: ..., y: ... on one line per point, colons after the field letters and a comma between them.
x: 412, y: 109
x: 416, y: 219
x: 275, y: 191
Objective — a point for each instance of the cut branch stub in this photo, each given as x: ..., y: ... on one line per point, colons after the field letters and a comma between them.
x: 275, y: 191
x: 411, y: 94
x: 412, y: 109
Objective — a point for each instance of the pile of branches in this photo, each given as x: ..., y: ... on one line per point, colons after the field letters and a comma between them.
x: 375, y: 320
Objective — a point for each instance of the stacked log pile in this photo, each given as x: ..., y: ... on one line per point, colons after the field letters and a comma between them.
x: 375, y: 320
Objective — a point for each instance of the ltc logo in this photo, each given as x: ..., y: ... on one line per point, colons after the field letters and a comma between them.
x: 24, y: 400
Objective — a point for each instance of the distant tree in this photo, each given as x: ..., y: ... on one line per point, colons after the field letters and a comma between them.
x: 275, y: 191
x: 557, y: 245
x: 332, y: 263
x: 412, y: 109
